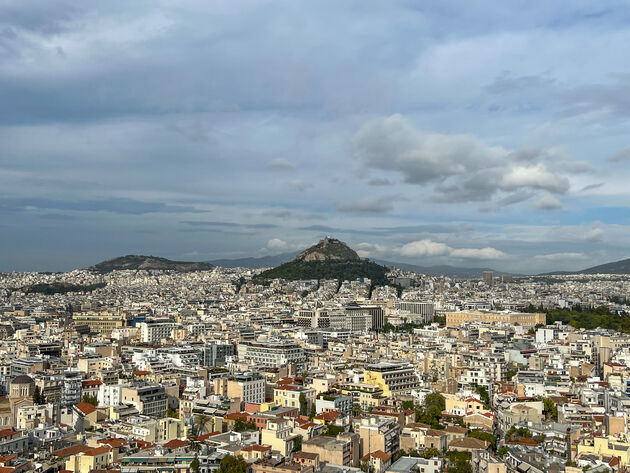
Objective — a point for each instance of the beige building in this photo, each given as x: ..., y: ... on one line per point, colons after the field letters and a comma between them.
x: 99, y: 321
x: 455, y: 319
x: 393, y: 378
x: 278, y: 434
x: 343, y: 450
x: 379, y: 433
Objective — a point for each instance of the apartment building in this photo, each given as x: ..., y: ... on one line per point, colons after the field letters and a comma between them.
x: 393, y: 378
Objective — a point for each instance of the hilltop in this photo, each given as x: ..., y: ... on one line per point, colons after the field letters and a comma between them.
x: 328, y: 249
x: 615, y: 267
x: 328, y: 259
x: 141, y: 262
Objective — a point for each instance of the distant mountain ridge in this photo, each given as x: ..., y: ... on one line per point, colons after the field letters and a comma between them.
x: 255, y: 263
x: 442, y: 270
x: 614, y: 267
x: 142, y: 262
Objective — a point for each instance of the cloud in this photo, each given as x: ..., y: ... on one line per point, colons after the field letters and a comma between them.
x: 114, y: 205
x: 620, y: 156
x: 459, y: 167
x: 534, y: 177
x: 377, y: 205
x: 591, y: 187
x: 370, y: 250
x: 300, y: 185
x: 280, y: 164
x: 548, y: 202
x: 429, y: 248
x: 279, y: 213
x: 277, y: 244
x: 477, y: 253
x: 424, y: 248
x: 379, y: 181
x: 561, y: 256
x: 204, y: 223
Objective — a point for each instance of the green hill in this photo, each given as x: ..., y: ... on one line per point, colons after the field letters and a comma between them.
x: 328, y: 259
x: 140, y: 262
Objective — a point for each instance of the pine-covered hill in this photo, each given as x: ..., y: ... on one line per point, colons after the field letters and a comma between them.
x: 328, y: 259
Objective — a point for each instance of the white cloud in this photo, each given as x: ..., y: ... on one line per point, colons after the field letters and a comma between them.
x: 424, y: 248
x: 561, y: 256
x: 431, y: 248
x: 548, y: 202
x: 478, y: 253
x: 278, y: 244
x: 534, y: 177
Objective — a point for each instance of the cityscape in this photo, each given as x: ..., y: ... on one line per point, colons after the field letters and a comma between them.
x: 278, y: 236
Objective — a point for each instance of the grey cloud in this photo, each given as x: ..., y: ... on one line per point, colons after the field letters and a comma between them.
x: 461, y: 168
x: 379, y: 181
x: 280, y: 164
x: 279, y: 213
x: 591, y: 187
x: 509, y: 84
x: 373, y: 205
x: 113, y: 205
x: 620, y: 156
x: 203, y: 223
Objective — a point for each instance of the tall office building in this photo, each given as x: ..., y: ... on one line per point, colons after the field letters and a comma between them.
x: 488, y: 278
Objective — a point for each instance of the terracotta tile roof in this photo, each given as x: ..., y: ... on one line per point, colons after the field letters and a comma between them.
x: 114, y: 442
x: 7, y: 458
x: 175, y: 443
x: 85, y: 407
x: 69, y: 451
x: 380, y: 454
x: 98, y: 451
x: 8, y: 432
x: 91, y: 382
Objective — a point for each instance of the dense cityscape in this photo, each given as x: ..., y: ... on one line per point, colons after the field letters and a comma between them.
x: 288, y: 236
x: 148, y: 370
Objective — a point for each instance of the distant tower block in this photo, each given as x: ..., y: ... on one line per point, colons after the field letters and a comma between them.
x: 488, y: 278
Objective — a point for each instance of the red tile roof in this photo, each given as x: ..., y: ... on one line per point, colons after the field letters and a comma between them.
x: 175, y: 443
x: 85, y: 407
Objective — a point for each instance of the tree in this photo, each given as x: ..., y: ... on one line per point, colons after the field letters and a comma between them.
x: 407, y: 404
x: 297, y: 444
x: 366, y: 467
x: 201, y: 420
x: 172, y: 413
x: 483, y: 394
x: 232, y: 464
x: 90, y: 399
x: 303, y: 404
x: 356, y: 409
x: 313, y: 413
x: 550, y: 409
x: 194, y: 465
x: 430, y: 453
x: 486, y: 436
x: 435, y: 399
x: 37, y: 396
x: 502, y: 451
x: 241, y: 425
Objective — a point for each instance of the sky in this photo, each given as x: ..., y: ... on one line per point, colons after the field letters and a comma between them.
x: 482, y: 133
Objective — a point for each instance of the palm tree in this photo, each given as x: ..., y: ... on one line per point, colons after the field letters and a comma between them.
x: 201, y: 422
